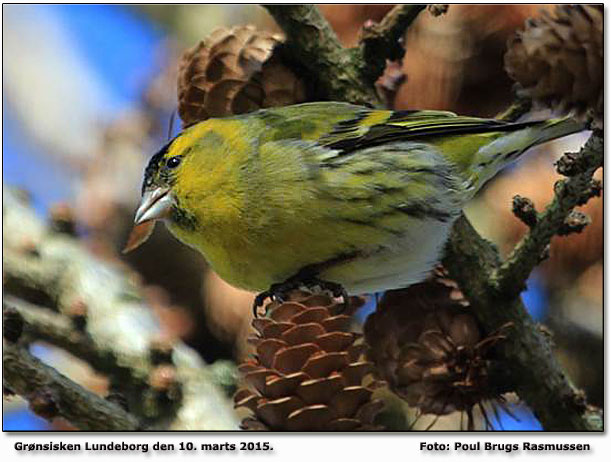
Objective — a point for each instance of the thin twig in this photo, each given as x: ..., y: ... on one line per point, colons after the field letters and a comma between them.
x: 510, y: 278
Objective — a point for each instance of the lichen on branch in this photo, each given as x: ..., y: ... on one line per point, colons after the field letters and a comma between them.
x: 115, y: 330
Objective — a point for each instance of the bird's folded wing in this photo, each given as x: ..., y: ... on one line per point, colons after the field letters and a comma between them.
x: 347, y: 128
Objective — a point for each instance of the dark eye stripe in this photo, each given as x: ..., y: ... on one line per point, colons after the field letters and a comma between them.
x: 153, y: 165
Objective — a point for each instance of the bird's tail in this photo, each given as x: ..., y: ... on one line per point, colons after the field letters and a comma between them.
x: 506, y: 148
x: 557, y: 128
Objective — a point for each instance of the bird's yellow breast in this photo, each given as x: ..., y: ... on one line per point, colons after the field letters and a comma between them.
x: 260, y: 216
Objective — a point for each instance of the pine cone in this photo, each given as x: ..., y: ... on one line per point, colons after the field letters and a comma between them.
x: 234, y: 71
x: 430, y: 350
x: 308, y: 373
x: 558, y: 59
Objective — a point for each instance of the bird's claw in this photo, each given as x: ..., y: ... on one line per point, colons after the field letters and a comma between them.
x: 337, y: 290
x: 276, y: 292
x: 259, y: 301
x: 279, y: 292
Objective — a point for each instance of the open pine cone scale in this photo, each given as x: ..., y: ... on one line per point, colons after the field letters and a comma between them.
x: 308, y: 373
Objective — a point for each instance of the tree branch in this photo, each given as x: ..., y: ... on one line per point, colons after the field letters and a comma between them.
x: 311, y: 43
x: 51, y: 394
x: 382, y: 41
x: 510, y: 278
x: 342, y: 74
x: 119, y: 332
x: 59, y: 330
x: 538, y: 377
x: 476, y: 266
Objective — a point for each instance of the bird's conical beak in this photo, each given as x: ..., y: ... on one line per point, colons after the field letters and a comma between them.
x: 154, y: 205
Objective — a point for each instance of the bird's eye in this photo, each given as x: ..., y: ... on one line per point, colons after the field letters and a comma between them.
x: 173, y: 162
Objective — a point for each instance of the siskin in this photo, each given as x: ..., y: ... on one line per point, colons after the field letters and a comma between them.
x: 362, y: 199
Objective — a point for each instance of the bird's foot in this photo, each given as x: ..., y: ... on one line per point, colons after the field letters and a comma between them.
x: 280, y: 292
x: 276, y: 292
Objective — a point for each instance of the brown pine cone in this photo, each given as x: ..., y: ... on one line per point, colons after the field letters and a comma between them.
x: 558, y: 59
x: 234, y: 71
x: 430, y: 350
x: 308, y: 373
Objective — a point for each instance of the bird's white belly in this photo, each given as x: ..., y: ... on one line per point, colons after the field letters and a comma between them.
x: 403, y: 262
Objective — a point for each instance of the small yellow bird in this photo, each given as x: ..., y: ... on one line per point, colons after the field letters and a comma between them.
x: 327, y: 193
